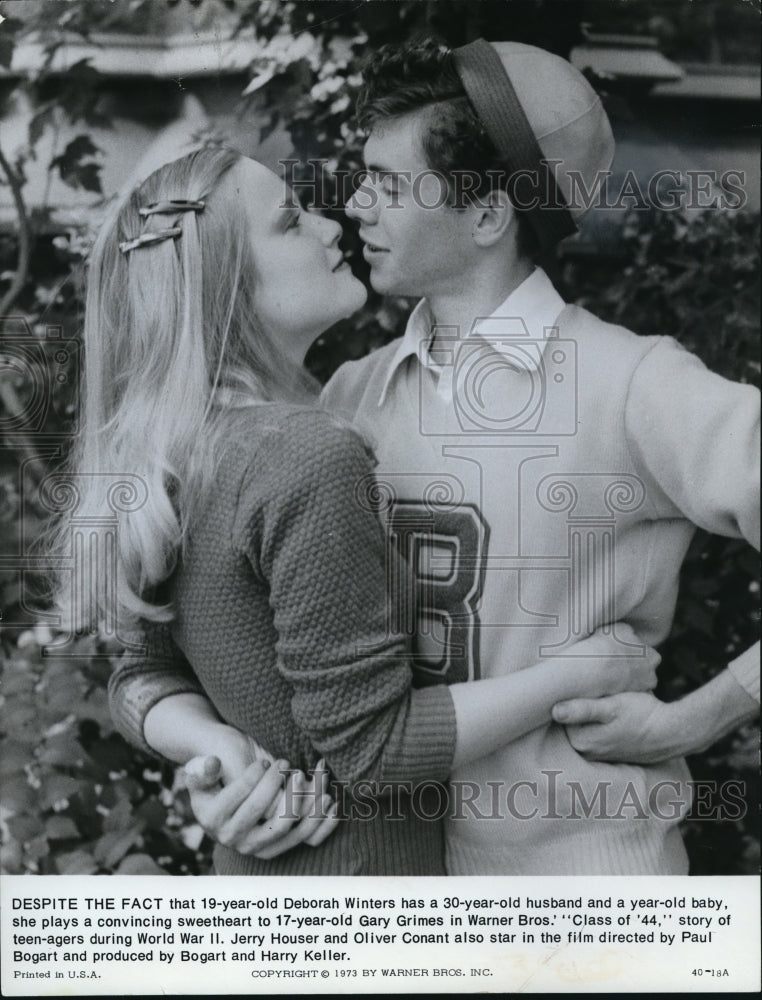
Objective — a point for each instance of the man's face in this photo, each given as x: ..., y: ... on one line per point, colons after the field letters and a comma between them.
x: 415, y: 243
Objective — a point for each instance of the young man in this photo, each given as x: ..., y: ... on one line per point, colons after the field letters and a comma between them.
x: 577, y: 457
x: 541, y: 471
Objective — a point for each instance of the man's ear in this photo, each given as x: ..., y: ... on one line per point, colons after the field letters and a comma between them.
x: 494, y: 216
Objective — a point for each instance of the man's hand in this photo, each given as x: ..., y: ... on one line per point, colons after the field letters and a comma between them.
x: 257, y: 812
x: 633, y: 727
x: 637, y: 728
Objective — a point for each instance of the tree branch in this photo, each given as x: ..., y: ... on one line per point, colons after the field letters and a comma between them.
x: 25, y: 237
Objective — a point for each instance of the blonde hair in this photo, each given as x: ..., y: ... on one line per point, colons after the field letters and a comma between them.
x: 171, y: 331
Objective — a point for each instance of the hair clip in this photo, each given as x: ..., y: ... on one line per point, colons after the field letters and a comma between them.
x: 171, y: 205
x: 147, y: 239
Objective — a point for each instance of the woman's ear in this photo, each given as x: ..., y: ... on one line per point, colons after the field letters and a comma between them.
x: 494, y: 216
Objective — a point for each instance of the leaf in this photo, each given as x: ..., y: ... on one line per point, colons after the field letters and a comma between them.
x: 56, y: 787
x: 79, y: 147
x: 6, y: 51
x: 10, y: 25
x: 63, y: 750
x: 39, y: 123
x: 120, y: 818
x: 23, y: 725
x: 62, y: 673
x: 14, y: 758
x: 61, y: 828
x: 18, y: 683
x: 96, y: 707
x: 112, y: 847
x: 18, y: 795
x: 111, y: 754
x: 58, y: 703
x: 87, y: 176
x: 82, y: 810
x: 84, y: 72
x: 25, y: 827
x: 76, y: 863
x: 260, y: 80
x: 153, y: 814
x: 37, y: 848
x: 127, y: 790
x: 12, y: 858
x: 139, y: 864
x: 75, y: 166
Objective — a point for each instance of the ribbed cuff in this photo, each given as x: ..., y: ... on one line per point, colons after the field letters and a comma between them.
x: 133, y: 691
x: 428, y: 746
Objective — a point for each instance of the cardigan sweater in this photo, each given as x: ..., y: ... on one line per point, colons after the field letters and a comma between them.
x: 281, y: 611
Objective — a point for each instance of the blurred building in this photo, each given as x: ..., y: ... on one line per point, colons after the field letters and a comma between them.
x: 683, y: 82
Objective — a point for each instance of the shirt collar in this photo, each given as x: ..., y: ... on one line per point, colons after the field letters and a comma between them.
x: 530, y: 311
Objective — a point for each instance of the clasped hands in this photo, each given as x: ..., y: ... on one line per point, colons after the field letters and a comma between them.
x: 245, y: 800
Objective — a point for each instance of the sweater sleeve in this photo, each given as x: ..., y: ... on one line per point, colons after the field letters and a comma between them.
x: 323, y: 554
x: 154, y: 668
x: 695, y: 437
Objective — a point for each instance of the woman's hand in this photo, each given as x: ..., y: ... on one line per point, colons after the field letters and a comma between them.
x: 237, y: 792
x: 608, y: 671
x: 263, y: 811
x: 308, y: 799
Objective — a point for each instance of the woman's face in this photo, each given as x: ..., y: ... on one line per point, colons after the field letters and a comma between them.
x: 303, y: 285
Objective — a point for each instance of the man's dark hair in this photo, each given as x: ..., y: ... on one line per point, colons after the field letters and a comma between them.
x: 399, y: 80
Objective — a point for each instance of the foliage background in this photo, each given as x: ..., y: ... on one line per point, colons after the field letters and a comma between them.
x: 75, y: 797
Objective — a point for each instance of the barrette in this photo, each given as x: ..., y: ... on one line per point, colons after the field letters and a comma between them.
x: 147, y: 239
x: 171, y: 205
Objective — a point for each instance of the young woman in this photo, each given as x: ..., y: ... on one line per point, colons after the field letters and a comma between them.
x: 205, y: 292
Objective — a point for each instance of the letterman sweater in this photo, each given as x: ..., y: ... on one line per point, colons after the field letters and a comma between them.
x: 281, y: 612
x: 557, y: 466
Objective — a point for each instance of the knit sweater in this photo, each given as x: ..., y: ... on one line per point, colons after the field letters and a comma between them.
x: 281, y: 611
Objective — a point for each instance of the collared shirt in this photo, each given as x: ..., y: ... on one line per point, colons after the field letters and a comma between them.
x: 530, y: 311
